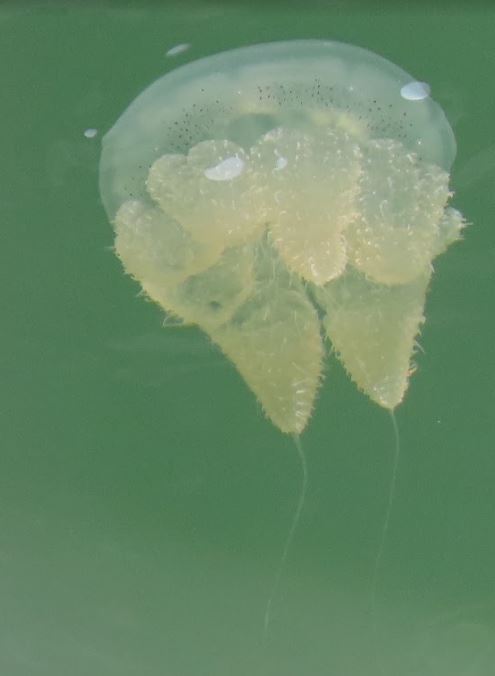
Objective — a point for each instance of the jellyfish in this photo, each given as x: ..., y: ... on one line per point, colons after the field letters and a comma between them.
x: 287, y: 198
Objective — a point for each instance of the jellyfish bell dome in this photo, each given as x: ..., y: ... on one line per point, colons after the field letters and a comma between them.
x: 274, y: 192
x: 240, y: 94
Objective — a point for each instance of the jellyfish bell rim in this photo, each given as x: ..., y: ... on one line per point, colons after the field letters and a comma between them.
x: 229, y: 76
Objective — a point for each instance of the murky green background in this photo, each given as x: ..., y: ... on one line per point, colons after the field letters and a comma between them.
x: 144, y: 500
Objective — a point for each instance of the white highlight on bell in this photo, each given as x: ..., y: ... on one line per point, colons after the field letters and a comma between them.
x: 415, y: 91
x: 90, y: 133
x: 228, y: 169
x: 178, y: 49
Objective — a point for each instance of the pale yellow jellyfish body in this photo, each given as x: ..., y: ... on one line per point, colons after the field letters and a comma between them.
x: 273, y: 191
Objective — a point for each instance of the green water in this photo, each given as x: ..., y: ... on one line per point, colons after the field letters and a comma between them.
x: 144, y: 500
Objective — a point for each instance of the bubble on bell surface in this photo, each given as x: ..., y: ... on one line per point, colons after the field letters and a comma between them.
x: 415, y: 91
